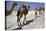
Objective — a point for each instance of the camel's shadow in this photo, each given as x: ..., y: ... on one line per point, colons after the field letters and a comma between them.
x: 27, y: 22
x: 19, y: 28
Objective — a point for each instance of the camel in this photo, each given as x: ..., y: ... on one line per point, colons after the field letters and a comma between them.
x: 22, y: 11
x: 40, y: 9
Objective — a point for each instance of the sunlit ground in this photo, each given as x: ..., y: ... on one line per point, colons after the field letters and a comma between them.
x: 38, y: 21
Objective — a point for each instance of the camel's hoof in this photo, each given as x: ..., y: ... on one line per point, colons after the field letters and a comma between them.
x: 18, y: 25
x: 24, y: 23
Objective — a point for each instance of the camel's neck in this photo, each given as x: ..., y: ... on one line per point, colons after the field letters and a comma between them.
x: 28, y: 9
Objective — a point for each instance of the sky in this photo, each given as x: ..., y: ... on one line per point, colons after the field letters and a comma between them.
x: 32, y: 5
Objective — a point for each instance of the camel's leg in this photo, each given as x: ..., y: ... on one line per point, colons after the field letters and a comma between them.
x: 18, y: 21
x: 39, y: 12
x: 24, y: 21
x: 35, y: 13
x: 20, y: 18
x: 25, y: 17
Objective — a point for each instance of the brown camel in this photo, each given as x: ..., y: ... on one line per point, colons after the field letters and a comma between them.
x: 22, y: 11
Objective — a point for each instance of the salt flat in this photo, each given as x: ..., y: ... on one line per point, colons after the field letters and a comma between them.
x: 37, y: 23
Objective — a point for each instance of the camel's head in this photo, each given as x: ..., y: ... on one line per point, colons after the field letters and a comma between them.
x: 24, y: 6
x: 28, y: 6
